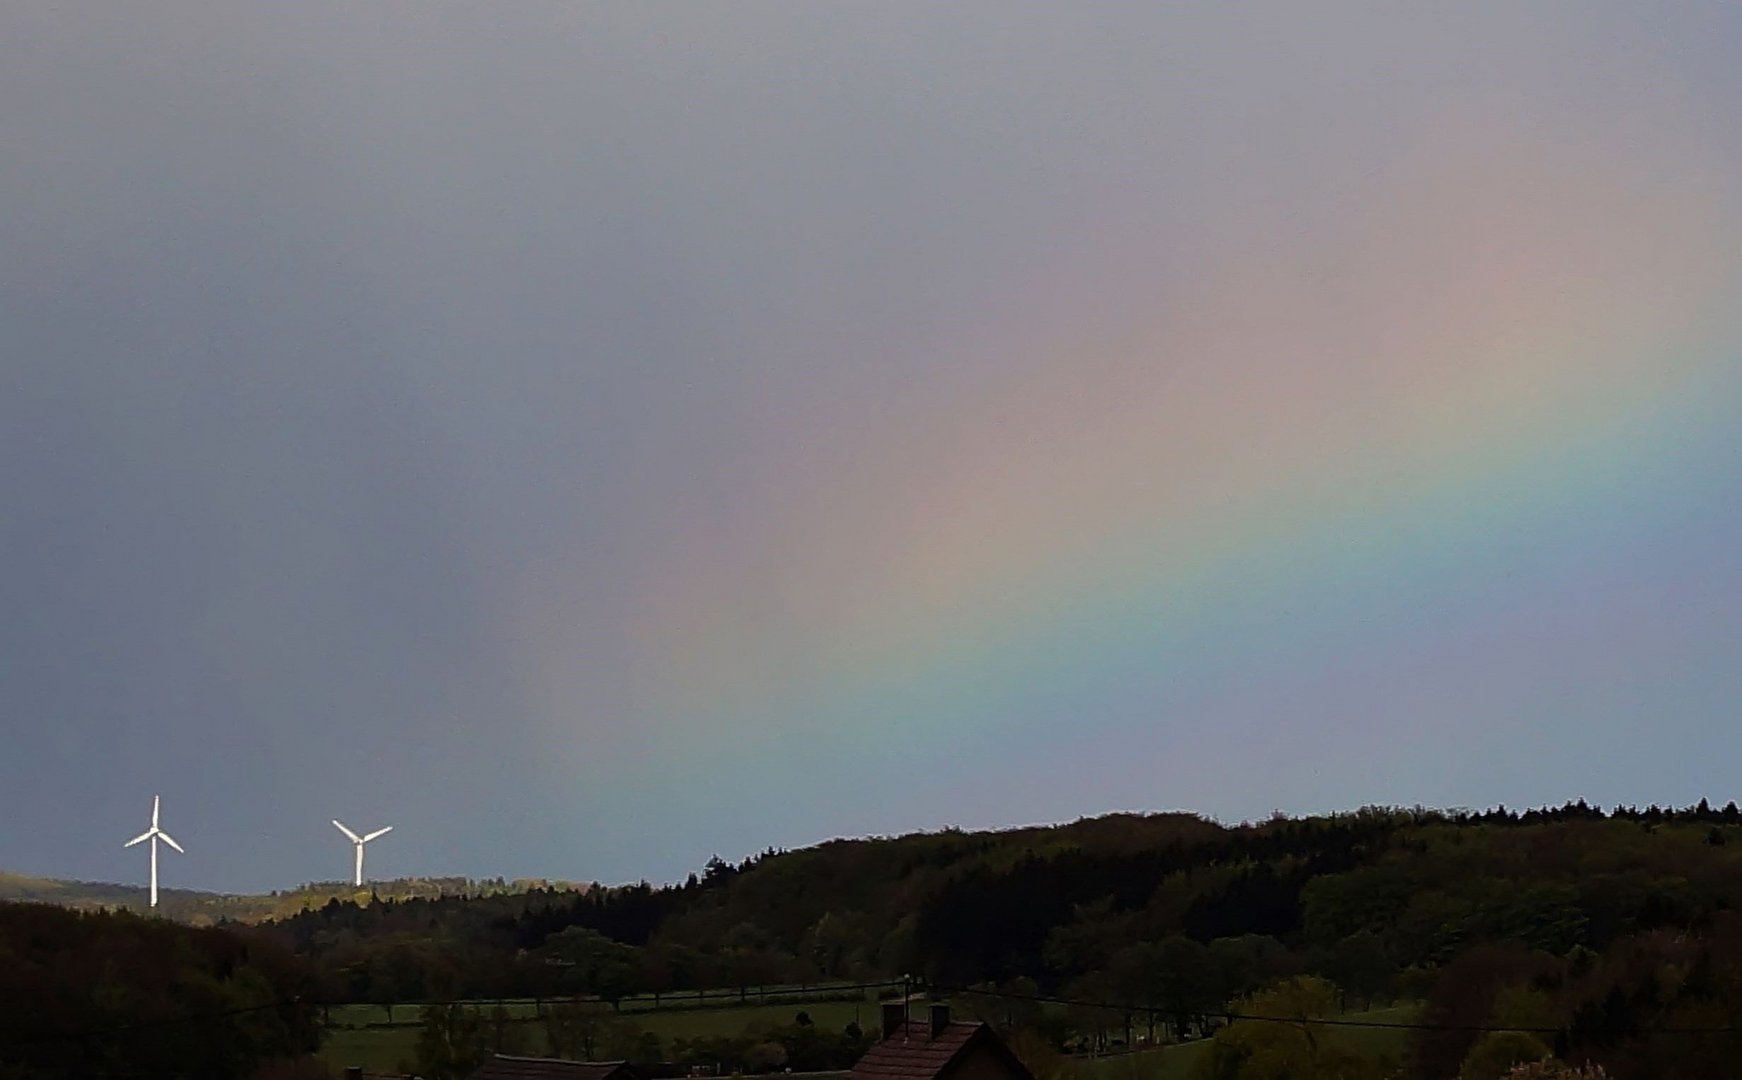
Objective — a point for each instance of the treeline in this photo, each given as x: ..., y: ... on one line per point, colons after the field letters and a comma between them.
x: 1160, y: 919
x: 118, y: 995
x: 1051, y: 904
x: 843, y: 910
x: 198, y: 908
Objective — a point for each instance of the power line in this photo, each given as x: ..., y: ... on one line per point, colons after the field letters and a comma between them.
x: 1127, y: 1007
x: 795, y: 997
x: 936, y: 991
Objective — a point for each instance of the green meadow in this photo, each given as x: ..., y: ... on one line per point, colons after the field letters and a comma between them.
x: 1176, y: 1062
x: 359, y: 1035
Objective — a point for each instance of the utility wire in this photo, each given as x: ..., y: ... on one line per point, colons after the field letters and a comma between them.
x: 936, y: 991
x: 1127, y: 1007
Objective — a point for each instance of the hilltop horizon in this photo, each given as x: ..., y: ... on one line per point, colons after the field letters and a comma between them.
x: 206, y: 907
x: 1613, y: 924
x: 18, y: 885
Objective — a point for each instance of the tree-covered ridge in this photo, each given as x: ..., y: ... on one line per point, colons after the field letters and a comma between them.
x: 1056, y: 904
x: 1595, y: 937
x: 199, y: 908
x: 116, y: 994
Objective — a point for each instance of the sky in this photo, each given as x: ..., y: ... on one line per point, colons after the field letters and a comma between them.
x: 594, y: 437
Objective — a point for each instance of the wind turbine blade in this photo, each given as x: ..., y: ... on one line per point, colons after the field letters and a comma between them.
x: 155, y: 801
x: 355, y: 839
x: 166, y: 839
x: 378, y: 832
x: 141, y: 838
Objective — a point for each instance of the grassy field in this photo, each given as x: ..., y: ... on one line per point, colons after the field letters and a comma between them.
x: 358, y: 1035
x: 375, y: 1049
x: 1177, y: 1062
x: 381, y: 1048
x: 794, y: 997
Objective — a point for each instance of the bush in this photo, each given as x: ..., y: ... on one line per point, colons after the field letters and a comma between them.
x: 1495, y: 1055
x: 765, y: 1057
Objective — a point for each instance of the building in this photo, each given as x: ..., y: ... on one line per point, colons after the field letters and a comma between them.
x: 504, y: 1067
x: 937, y: 1049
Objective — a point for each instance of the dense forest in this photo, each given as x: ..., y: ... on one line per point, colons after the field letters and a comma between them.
x: 1599, y: 928
x: 103, y: 994
x: 1058, y: 904
x: 1603, y: 938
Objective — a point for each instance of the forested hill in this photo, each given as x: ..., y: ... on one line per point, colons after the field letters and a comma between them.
x: 111, y: 994
x: 199, y: 908
x: 1368, y: 898
x: 1615, y: 936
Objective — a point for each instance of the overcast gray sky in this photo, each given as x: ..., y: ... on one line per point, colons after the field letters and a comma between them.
x: 591, y: 437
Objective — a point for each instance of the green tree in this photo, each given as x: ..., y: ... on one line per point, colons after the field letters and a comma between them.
x: 764, y: 1057
x: 575, y: 1028
x: 1495, y: 1055
x: 597, y: 965
x: 1240, y: 965
x: 451, y: 1042
x: 505, y: 1034
x: 1362, y: 966
x: 1286, y: 1044
x: 838, y: 941
x: 1184, y: 984
x: 1463, y: 998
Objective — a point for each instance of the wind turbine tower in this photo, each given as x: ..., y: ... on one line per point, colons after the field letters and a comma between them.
x: 360, y: 841
x: 154, y: 834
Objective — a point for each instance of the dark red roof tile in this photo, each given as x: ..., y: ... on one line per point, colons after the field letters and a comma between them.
x: 504, y: 1067
x: 912, y: 1053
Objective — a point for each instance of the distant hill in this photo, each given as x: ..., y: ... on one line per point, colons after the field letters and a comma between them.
x: 198, y: 908
x: 1610, y: 928
x: 1074, y: 906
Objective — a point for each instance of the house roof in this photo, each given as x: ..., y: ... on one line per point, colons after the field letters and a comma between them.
x: 505, y: 1067
x: 912, y: 1053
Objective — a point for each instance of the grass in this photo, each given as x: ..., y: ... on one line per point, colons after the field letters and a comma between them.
x: 794, y: 997
x: 694, y: 1023
x: 375, y: 1049
x: 360, y: 1034
x: 1178, y: 1061
x: 1380, y: 1042
x: 381, y: 1048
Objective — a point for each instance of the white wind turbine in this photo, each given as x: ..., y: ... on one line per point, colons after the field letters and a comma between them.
x: 360, y: 841
x: 154, y: 834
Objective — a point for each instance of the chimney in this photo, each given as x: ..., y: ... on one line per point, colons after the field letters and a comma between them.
x: 894, y: 1015
x: 940, y: 1019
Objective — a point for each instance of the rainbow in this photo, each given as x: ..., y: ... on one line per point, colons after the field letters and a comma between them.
x: 1329, y: 432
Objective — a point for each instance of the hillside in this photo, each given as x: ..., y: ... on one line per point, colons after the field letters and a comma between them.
x: 1597, y: 929
x: 1055, y: 903
x: 198, y: 908
x: 1602, y: 925
x: 133, y: 982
